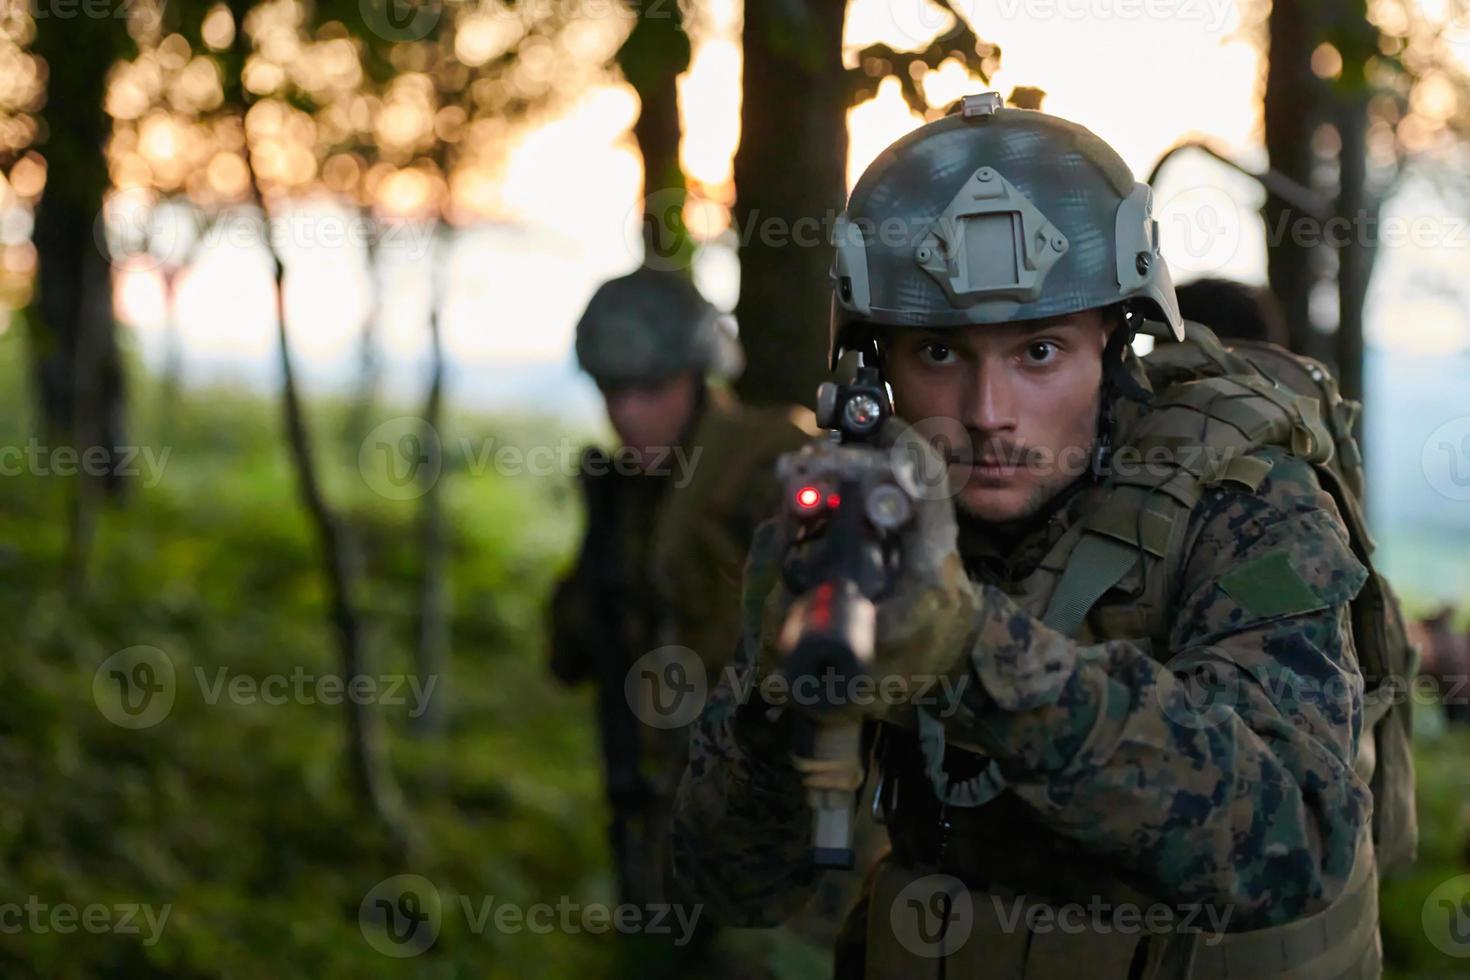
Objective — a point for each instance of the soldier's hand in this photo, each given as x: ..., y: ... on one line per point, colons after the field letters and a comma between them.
x: 925, y: 623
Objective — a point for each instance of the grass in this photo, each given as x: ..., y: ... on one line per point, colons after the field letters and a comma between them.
x: 236, y: 816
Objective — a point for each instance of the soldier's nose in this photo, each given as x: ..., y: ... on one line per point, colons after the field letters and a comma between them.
x: 990, y: 402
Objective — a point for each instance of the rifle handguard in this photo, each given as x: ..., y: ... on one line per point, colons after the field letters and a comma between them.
x: 832, y: 773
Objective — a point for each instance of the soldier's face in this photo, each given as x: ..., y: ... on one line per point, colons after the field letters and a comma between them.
x: 650, y: 418
x: 1026, y: 394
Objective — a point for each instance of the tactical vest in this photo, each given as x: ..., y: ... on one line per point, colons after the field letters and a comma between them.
x: 1111, y: 575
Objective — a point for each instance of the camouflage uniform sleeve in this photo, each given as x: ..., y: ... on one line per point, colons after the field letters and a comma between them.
x: 741, y: 824
x: 1245, y: 799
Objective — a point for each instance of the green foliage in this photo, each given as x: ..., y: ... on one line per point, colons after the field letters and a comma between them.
x: 1444, y: 852
x: 237, y: 815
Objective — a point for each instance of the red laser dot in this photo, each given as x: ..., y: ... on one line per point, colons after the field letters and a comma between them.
x: 808, y: 497
x: 833, y: 500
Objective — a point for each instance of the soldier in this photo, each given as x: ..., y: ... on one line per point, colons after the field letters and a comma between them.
x: 670, y: 514
x: 1075, y: 782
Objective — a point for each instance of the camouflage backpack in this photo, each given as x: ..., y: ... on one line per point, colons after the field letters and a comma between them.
x: 1387, y: 659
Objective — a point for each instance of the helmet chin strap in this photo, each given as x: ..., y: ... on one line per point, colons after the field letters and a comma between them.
x: 1117, y: 382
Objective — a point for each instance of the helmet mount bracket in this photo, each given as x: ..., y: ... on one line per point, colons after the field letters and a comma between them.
x: 990, y: 243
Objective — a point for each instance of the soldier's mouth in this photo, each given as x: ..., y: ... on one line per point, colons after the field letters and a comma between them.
x: 993, y: 471
x: 984, y: 472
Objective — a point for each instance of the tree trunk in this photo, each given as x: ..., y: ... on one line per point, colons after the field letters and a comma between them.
x: 1357, y: 39
x: 78, y: 377
x: 369, y: 357
x: 433, y: 612
x: 170, y: 380
x: 651, y: 59
x: 790, y: 180
x: 1292, y: 108
x: 1353, y: 257
x: 371, y: 777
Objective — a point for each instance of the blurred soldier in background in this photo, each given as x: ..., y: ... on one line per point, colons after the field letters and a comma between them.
x: 1234, y: 311
x: 669, y: 518
x: 1444, y: 654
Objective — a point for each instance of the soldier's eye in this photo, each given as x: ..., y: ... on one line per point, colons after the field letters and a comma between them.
x: 1041, y: 352
x: 934, y: 353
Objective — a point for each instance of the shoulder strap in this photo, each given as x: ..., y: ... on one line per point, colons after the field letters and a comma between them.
x: 1097, y: 564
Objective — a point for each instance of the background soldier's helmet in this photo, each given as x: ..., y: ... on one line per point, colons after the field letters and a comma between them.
x: 650, y: 326
x: 991, y: 215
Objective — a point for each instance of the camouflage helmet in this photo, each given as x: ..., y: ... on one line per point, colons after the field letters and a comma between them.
x: 650, y: 326
x: 991, y: 215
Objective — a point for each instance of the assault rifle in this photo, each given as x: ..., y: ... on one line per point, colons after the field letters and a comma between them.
x: 847, y: 502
